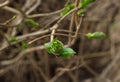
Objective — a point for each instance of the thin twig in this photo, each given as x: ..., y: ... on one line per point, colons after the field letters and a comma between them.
x: 63, y: 71
x: 58, y: 34
x: 77, y: 30
x: 91, y: 70
x: 66, y: 15
x: 56, y: 25
x: 5, y: 3
x: 5, y: 37
x: 75, y: 13
x: 36, y: 4
x: 71, y: 28
x: 14, y: 60
x: 53, y: 32
x: 34, y: 63
x: 40, y: 32
x: 13, y: 10
x: 21, y: 55
x: 44, y: 14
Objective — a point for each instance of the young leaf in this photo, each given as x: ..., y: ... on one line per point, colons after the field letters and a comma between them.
x: 57, y: 45
x: 64, y: 12
x: 48, y: 47
x: 13, y: 39
x: 24, y: 45
x: 85, y: 3
x: 68, y: 7
x: 54, y: 47
x: 31, y: 22
x: 14, y: 17
x: 67, y: 52
x: 80, y: 12
x: 96, y: 35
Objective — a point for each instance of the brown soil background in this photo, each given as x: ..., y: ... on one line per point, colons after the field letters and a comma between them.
x: 97, y: 60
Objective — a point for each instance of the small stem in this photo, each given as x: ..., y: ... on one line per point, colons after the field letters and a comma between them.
x: 58, y: 34
x: 44, y: 14
x: 71, y: 28
x: 53, y: 32
x: 5, y: 3
x: 75, y: 13
x: 12, y: 10
x: 5, y: 37
x: 77, y: 31
x: 56, y: 25
x: 66, y: 15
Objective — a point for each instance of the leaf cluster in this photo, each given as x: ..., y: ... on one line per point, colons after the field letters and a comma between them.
x: 82, y: 5
x: 56, y: 48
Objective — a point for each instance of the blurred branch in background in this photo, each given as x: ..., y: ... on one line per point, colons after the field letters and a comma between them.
x: 26, y: 25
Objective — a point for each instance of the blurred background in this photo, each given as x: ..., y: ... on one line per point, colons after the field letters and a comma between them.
x: 21, y: 60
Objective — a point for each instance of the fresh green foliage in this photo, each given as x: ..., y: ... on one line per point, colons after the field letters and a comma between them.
x: 31, y: 22
x: 56, y: 47
x: 96, y: 35
x: 24, y: 45
x: 14, y: 17
x: 67, y: 52
x: 48, y: 47
x: 68, y: 7
x: 80, y: 12
x: 13, y: 39
x: 85, y: 3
